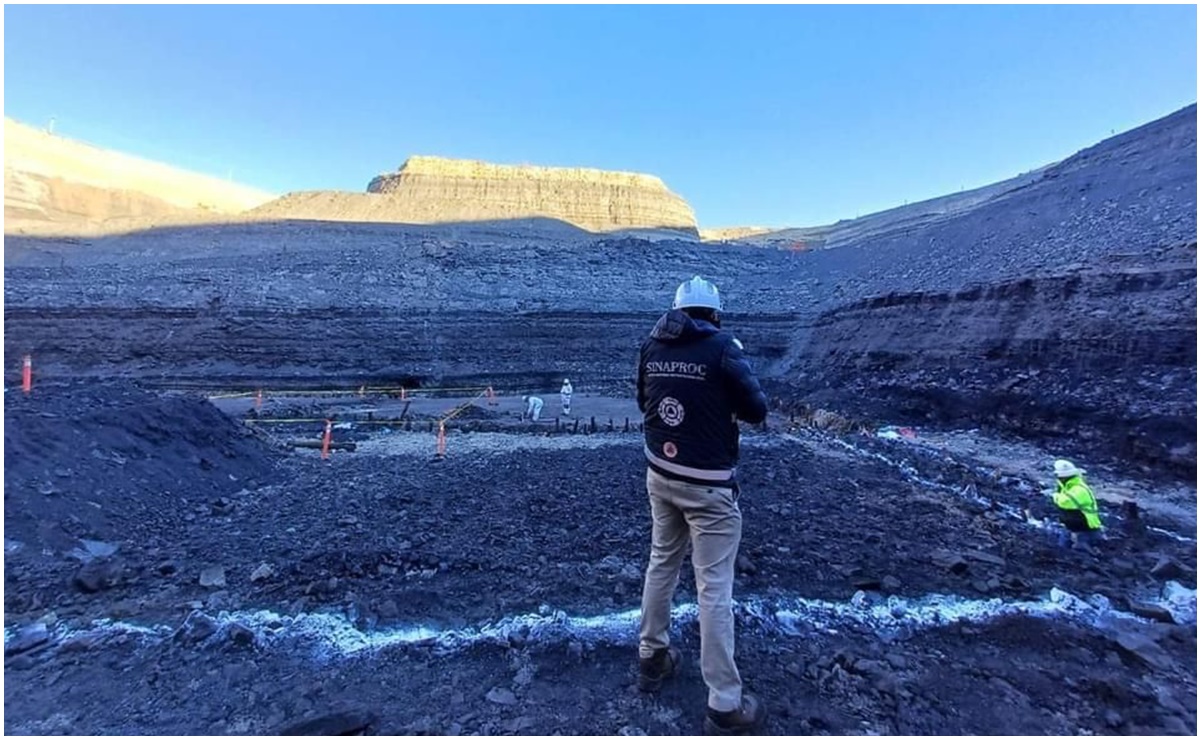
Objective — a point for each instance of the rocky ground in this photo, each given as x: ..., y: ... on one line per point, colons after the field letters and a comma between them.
x: 170, y: 569
x: 178, y: 566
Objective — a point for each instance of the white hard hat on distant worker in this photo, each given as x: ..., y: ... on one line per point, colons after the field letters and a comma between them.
x: 1065, y: 469
x: 697, y: 293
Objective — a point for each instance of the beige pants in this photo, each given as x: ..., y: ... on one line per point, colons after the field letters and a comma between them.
x: 711, y: 519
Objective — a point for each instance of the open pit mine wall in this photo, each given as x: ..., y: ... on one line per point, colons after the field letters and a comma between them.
x: 1065, y: 310
x: 1076, y: 322
x: 207, y: 349
x: 437, y: 190
x: 1104, y: 362
x: 1101, y: 360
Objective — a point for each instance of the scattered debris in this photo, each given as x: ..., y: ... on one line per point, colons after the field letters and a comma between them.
x: 501, y: 696
x: 1167, y: 568
x: 98, y: 575
x: 27, y: 638
x: 345, y: 722
x: 197, y: 627
x: 213, y: 577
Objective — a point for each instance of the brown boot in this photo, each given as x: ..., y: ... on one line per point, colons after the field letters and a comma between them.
x: 654, y: 670
x: 746, y: 718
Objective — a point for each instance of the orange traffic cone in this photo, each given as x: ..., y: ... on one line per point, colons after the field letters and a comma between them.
x: 441, y: 439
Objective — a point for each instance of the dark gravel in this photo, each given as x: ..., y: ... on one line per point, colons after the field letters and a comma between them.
x: 388, y: 541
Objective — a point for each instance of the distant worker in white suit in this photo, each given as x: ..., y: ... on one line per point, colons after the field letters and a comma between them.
x: 533, y: 407
x: 565, y: 396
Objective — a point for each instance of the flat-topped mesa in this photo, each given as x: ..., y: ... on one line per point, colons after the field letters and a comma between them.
x: 435, y: 189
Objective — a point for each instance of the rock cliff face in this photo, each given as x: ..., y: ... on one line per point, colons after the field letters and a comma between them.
x: 433, y: 190
x: 1104, y: 356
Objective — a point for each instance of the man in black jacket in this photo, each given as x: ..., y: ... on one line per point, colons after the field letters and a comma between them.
x: 694, y: 384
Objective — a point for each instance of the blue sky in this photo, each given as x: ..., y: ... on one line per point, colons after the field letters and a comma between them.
x: 770, y: 115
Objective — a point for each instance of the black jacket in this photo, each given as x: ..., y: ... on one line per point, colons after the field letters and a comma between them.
x: 693, y: 385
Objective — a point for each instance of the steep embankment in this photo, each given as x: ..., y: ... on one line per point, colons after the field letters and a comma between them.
x: 907, y: 218
x: 1091, y: 341
x: 371, y: 302
x: 57, y: 185
x: 1101, y: 357
x: 429, y: 190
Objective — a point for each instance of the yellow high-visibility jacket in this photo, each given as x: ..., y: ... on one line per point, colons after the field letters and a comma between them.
x: 1074, y: 494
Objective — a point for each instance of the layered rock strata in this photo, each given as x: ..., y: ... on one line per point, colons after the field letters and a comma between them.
x: 1064, y: 310
x: 1099, y: 357
x: 431, y: 190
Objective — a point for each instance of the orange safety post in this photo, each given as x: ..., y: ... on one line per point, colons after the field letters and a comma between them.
x: 329, y: 432
x: 362, y: 391
x: 402, y: 393
x: 441, y: 439
x: 258, y: 399
x: 491, y: 397
x: 27, y: 374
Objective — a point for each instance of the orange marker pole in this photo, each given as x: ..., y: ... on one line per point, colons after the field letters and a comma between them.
x: 258, y: 399
x: 27, y: 374
x: 491, y: 397
x: 329, y: 432
x: 441, y: 439
x: 362, y: 391
x: 402, y: 393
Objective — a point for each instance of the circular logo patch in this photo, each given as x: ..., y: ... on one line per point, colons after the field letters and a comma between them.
x: 671, y: 411
x: 669, y: 449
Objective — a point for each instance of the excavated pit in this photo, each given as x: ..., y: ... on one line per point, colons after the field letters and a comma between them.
x: 174, y: 566
x: 497, y: 588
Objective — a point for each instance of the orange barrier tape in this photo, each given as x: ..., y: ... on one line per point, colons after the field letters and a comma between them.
x: 339, y: 421
x: 282, y: 421
x: 361, y: 390
x: 462, y: 407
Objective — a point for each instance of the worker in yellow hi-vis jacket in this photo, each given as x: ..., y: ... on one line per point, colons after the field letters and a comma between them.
x: 1077, y: 507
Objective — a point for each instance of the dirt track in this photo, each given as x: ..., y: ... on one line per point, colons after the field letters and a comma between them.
x: 887, y: 586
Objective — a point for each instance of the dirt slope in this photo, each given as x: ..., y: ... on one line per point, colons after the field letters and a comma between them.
x: 55, y: 184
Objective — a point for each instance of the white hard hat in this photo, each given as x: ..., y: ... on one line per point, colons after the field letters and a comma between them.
x: 697, y: 293
x: 1065, y: 469
x: 567, y: 381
